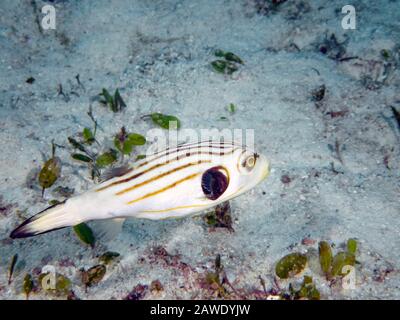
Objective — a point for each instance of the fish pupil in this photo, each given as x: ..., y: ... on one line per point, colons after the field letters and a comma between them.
x: 214, y: 183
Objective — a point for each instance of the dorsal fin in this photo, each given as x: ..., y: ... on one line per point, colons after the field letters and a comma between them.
x: 115, y: 172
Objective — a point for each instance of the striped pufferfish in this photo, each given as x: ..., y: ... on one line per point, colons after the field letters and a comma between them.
x: 176, y: 182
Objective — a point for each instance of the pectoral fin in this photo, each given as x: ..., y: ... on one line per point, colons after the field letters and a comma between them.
x: 108, y: 229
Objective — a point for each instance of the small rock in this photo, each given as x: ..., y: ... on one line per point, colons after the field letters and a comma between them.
x: 285, y: 179
x: 308, y: 241
x: 137, y: 292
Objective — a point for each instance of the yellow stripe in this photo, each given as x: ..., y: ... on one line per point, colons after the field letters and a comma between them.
x: 175, y: 208
x: 133, y: 177
x: 192, y: 176
x: 161, y: 176
x: 159, y: 165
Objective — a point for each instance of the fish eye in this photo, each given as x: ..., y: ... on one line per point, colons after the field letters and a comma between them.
x: 250, y: 161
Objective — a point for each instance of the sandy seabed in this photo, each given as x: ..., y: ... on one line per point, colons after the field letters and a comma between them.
x: 335, y: 162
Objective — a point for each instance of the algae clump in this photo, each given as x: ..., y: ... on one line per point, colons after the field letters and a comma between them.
x: 84, y: 233
x: 325, y: 256
x: 291, y: 265
x: 93, y: 275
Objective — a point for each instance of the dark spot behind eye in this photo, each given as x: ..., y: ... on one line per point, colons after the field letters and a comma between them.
x: 214, y: 183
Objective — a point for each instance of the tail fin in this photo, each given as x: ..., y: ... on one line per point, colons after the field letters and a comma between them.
x: 52, y: 218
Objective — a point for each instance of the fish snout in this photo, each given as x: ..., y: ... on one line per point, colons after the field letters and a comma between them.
x: 264, y: 167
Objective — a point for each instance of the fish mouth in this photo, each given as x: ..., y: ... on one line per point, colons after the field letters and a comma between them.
x: 265, y: 170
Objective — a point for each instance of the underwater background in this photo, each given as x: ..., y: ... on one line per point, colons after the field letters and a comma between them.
x: 324, y: 104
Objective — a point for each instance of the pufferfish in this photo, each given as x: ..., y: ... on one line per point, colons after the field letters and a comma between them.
x: 172, y: 183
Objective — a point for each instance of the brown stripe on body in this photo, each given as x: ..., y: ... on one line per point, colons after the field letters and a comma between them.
x: 172, y: 185
x: 172, y: 152
x: 161, y: 176
x: 160, y: 165
x: 133, y: 177
x: 211, y: 143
